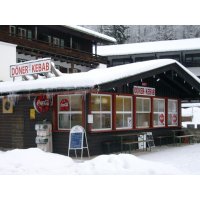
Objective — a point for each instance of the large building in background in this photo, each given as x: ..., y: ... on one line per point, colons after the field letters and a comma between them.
x: 70, y: 47
x: 185, y: 51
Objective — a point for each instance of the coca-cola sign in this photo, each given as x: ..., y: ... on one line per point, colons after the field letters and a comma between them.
x: 42, y: 104
x: 64, y: 105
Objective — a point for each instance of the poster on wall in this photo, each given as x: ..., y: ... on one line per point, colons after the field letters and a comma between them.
x: 7, y: 105
x: 129, y: 121
x: 161, y: 119
x: 64, y: 104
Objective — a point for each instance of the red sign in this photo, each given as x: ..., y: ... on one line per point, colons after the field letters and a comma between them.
x: 64, y: 105
x: 162, y: 118
x: 147, y: 91
x: 42, y: 104
x: 174, y: 118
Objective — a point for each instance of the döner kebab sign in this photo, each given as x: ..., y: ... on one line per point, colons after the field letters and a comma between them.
x: 31, y: 67
x: 147, y: 91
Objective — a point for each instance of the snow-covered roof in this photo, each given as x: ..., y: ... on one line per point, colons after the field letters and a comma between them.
x: 89, y: 79
x: 91, y: 32
x: 149, y: 47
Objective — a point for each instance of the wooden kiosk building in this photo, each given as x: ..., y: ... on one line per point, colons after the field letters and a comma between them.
x: 133, y: 98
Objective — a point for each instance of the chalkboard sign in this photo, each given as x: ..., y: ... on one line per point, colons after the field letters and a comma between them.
x: 77, y: 139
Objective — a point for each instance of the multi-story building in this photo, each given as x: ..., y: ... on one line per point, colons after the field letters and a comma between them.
x: 185, y: 51
x: 70, y: 47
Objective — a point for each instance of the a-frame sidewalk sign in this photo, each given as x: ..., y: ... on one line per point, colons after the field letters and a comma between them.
x: 78, y: 140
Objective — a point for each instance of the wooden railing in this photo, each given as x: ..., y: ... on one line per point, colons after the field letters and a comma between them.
x: 32, y: 45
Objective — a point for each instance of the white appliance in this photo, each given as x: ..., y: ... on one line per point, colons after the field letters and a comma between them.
x: 44, y: 136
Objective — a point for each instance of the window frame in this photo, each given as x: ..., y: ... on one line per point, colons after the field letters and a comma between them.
x: 70, y: 112
x: 124, y: 112
x: 100, y: 112
x: 12, y: 30
x: 143, y: 112
x: 159, y: 112
x: 172, y: 112
x: 20, y: 32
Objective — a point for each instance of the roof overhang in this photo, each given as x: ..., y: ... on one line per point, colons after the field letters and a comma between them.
x: 171, y: 73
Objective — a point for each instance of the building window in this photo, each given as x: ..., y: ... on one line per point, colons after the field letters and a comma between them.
x: 175, y: 57
x: 101, y: 110
x: 158, y: 112
x: 143, y: 110
x: 123, y: 112
x: 56, y: 41
x: 62, y: 43
x: 22, y: 32
x: 139, y: 59
x: 192, y: 60
x: 49, y: 39
x: 29, y: 35
x: 121, y: 61
x: 69, y: 111
x: 12, y: 30
x: 172, y: 112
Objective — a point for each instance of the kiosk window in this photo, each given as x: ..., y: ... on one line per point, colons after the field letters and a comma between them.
x: 101, y: 110
x: 143, y: 109
x: 172, y: 112
x: 158, y: 112
x: 69, y: 111
x: 123, y: 112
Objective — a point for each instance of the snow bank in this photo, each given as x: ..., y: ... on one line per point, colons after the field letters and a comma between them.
x: 172, y: 161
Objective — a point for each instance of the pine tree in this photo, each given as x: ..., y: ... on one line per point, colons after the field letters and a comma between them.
x: 119, y: 32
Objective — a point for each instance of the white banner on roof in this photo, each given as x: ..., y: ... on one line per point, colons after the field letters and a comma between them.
x: 31, y: 67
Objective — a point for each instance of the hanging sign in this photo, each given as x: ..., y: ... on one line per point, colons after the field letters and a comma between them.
x: 31, y: 67
x: 147, y: 91
x: 42, y: 104
x: 161, y: 118
x: 64, y: 105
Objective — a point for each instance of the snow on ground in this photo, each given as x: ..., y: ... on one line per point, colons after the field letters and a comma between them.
x: 174, y: 161
x: 171, y: 160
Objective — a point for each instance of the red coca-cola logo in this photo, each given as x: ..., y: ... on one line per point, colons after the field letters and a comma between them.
x: 64, y: 105
x: 42, y: 104
x: 162, y: 118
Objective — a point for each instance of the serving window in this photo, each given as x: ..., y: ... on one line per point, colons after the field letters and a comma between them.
x: 172, y: 112
x: 69, y: 111
x: 143, y: 110
x: 158, y: 112
x: 101, y: 109
x: 123, y: 112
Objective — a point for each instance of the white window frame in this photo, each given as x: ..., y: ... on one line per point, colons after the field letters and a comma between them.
x: 12, y: 30
x: 67, y: 112
x: 143, y: 112
x: 125, y: 112
x: 20, y: 32
x: 173, y: 112
x: 159, y: 112
x: 103, y: 112
x: 56, y: 41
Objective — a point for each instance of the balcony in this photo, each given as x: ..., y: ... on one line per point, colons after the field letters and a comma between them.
x: 42, y: 49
